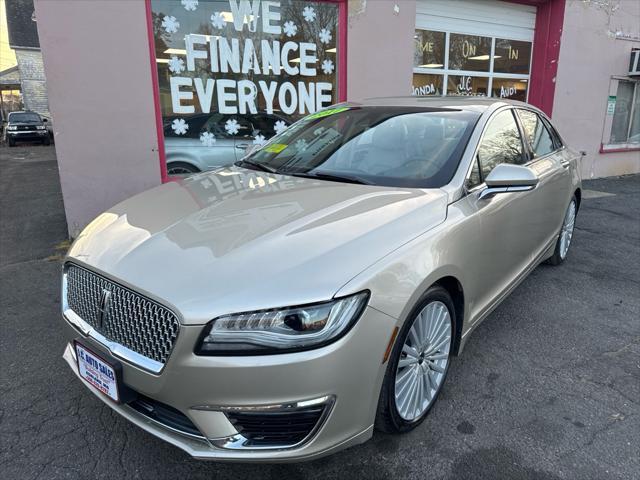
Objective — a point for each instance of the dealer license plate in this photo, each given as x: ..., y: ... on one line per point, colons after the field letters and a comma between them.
x: 98, y: 373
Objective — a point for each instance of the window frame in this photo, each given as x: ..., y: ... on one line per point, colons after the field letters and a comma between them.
x: 445, y: 71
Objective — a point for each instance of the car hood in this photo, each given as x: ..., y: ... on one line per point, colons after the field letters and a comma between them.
x: 239, y: 240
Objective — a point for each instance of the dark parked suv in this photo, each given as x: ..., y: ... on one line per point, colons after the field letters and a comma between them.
x: 26, y: 126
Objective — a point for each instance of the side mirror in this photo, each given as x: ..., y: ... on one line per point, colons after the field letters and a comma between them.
x: 45, y: 120
x: 509, y: 178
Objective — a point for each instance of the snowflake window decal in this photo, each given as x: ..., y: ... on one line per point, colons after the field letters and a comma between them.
x: 325, y: 36
x: 217, y: 20
x: 301, y: 145
x: 176, y: 65
x: 207, y: 139
x: 279, y: 127
x: 309, y: 14
x: 179, y: 126
x: 170, y: 24
x: 189, y: 5
x: 232, y: 126
x: 290, y: 28
x: 259, y: 140
x: 327, y: 67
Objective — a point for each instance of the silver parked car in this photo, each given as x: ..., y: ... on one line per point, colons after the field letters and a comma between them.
x: 186, y: 153
x: 284, y: 307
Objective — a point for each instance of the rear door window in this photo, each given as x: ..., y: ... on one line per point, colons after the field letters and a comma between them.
x: 537, y: 134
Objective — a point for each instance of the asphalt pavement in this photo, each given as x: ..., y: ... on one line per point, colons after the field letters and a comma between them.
x: 548, y: 386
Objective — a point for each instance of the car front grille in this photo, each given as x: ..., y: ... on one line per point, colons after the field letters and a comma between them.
x: 121, y: 315
x: 284, y: 428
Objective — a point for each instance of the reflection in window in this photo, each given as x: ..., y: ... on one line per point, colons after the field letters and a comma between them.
x: 469, y: 52
x: 240, y: 71
x: 501, y: 143
x: 427, y: 84
x: 512, y: 88
x: 625, y: 127
x: 539, y: 137
x: 429, y: 49
x: 466, y: 85
x: 512, y: 56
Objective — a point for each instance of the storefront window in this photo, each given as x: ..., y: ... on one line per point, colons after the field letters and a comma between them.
x: 429, y: 49
x: 465, y: 85
x: 233, y: 73
x: 447, y: 63
x: 512, y: 88
x: 469, y: 52
x: 511, y: 56
x: 427, y: 84
x: 625, y: 127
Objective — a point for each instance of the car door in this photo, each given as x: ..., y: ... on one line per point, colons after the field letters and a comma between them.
x: 549, y: 163
x: 505, y: 237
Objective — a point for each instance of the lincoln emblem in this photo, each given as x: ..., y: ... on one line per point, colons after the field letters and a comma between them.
x: 105, y: 298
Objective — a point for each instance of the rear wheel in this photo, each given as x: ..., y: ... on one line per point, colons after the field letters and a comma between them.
x: 181, y: 168
x: 418, y: 364
x: 566, y: 234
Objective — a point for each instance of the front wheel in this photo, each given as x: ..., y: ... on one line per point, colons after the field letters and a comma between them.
x: 181, y: 168
x: 566, y: 234
x: 418, y: 364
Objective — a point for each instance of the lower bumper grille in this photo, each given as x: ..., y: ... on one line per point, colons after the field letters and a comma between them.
x: 262, y: 429
x: 165, y: 415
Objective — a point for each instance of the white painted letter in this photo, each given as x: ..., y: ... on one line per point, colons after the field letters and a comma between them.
x: 268, y: 92
x: 205, y: 95
x: 306, y: 59
x: 268, y: 16
x: 224, y: 97
x: 190, y: 41
x: 323, y: 94
x: 284, y: 57
x: 247, y: 93
x: 177, y: 96
x: 282, y: 98
x: 229, y: 55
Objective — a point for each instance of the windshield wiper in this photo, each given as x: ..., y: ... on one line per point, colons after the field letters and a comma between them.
x: 256, y: 166
x: 328, y: 176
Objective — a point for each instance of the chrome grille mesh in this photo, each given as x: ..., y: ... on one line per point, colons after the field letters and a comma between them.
x: 129, y: 319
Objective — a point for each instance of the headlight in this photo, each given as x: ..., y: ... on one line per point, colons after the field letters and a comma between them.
x: 40, y: 127
x: 281, y: 330
x: 12, y: 127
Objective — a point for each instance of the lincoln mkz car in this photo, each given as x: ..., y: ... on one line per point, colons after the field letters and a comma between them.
x: 286, y: 306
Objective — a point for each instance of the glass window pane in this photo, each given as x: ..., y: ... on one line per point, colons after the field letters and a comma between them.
x: 218, y: 73
x: 501, y: 143
x: 512, y: 56
x: 540, y: 139
x: 465, y: 85
x: 429, y: 49
x: 622, y: 113
x: 512, y: 88
x: 469, y: 52
x: 427, y: 84
x: 634, y: 133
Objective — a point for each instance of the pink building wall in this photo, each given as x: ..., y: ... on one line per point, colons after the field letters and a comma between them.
x: 96, y: 57
x: 380, y: 48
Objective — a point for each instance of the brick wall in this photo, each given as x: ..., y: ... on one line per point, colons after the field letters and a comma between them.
x: 34, y: 86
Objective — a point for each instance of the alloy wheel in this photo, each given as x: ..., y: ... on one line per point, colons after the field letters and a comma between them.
x: 567, y: 229
x: 423, y: 362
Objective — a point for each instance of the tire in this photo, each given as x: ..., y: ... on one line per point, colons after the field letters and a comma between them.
x: 12, y: 143
x: 181, y: 168
x: 566, y: 234
x: 46, y: 141
x: 391, y: 417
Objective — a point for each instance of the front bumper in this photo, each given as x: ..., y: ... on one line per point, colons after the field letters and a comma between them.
x: 347, y: 373
x: 18, y: 135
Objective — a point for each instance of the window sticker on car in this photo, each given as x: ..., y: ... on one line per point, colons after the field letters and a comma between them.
x: 275, y: 148
x: 326, y: 113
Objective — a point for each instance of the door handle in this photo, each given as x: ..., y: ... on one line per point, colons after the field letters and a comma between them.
x: 242, y: 146
x: 565, y: 164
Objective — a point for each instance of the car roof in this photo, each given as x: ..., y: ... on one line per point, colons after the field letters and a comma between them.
x: 462, y: 102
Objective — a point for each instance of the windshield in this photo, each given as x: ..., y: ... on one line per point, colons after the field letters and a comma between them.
x: 389, y: 146
x: 24, y: 117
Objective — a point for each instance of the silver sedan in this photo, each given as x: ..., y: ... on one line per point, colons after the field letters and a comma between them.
x: 284, y: 307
